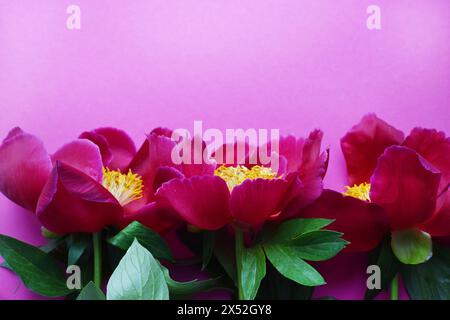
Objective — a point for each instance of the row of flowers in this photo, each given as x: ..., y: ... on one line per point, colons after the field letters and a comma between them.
x: 233, y: 217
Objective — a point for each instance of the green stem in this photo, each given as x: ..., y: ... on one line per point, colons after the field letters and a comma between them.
x: 394, y: 288
x: 97, y: 241
x: 239, y: 244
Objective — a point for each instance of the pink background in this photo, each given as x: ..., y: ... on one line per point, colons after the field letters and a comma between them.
x: 293, y: 65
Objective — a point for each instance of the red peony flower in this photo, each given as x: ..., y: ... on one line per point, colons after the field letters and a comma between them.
x: 249, y: 194
x: 87, y: 184
x: 399, y: 185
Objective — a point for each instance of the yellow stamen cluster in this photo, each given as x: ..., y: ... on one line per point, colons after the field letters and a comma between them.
x: 359, y: 191
x: 234, y: 176
x: 124, y: 187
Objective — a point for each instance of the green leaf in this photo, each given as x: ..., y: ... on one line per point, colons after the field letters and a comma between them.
x: 430, y: 280
x: 319, y: 245
x: 77, y: 245
x: 91, y: 292
x: 225, y: 254
x: 412, y: 246
x: 151, y: 240
x: 294, y: 228
x: 287, y: 261
x: 185, y: 289
x: 252, y: 269
x: 51, y: 245
x: 137, y: 277
x: 384, y: 258
x: 38, y: 271
x: 5, y: 265
x: 275, y: 286
x: 209, y: 238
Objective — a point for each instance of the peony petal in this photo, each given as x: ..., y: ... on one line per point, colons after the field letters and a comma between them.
x: 119, y: 144
x: 363, y: 224
x: 405, y: 186
x: 196, y: 164
x: 313, y: 163
x: 233, y: 154
x: 102, y: 144
x: 302, y: 195
x: 291, y: 148
x: 434, y: 146
x: 12, y: 133
x: 439, y: 224
x: 164, y: 174
x: 364, y: 143
x: 161, y: 131
x: 82, y: 155
x: 155, y: 152
x: 72, y: 201
x: 254, y: 201
x: 24, y: 168
x: 201, y: 201
x: 153, y: 216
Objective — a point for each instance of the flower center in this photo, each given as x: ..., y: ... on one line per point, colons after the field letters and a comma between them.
x: 359, y: 191
x: 124, y: 187
x: 234, y: 176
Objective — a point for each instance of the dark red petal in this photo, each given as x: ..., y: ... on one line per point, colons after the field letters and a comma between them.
x: 12, y: 133
x: 254, y: 201
x: 161, y: 131
x: 405, y: 186
x: 233, y: 154
x: 201, y: 200
x: 197, y: 164
x: 153, y: 216
x: 364, y: 143
x: 24, y: 168
x: 434, y: 146
x: 83, y: 155
x: 291, y: 148
x: 313, y: 163
x: 363, y: 224
x: 164, y: 174
x: 102, y: 144
x: 120, y: 146
x: 155, y: 152
x: 71, y: 201
x: 439, y: 224
x: 304, y: 194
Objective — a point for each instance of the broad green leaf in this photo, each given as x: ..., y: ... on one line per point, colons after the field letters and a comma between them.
x: 252, y: 270
x: 77, y: 245
x: 287, y: 261
x: 294, y: 228
x: 91, y: 292
x: 147, y: 237
x: 209, y: 238
x: 225, y: 254
x: 275, y: 286
x: 389, y: 266
x: 137, y: 277
x: 319, y: 245
x: 185, y: 289
x: 38, y: 271
x: 412, y: 246
x: 430, y: 280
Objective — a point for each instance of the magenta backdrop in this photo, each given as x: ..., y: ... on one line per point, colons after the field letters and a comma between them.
x: 294, y: 65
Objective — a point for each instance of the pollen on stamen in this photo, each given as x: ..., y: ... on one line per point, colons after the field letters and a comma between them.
x: 359, y: 191
x: 124, y: 187
x: 234, y: 176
